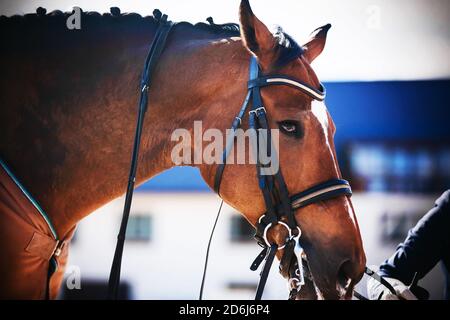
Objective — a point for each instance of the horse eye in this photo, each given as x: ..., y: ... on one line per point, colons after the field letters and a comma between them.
x: 290, y: 127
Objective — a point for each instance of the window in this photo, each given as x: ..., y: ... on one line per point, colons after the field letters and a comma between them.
x: 242, y: 286
x: 241, y: 230
x: 395, y: 226
x: 139, y: 227
x: 397, y: 166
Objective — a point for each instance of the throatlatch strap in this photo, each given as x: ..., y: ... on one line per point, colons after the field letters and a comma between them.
x: 155, y: 52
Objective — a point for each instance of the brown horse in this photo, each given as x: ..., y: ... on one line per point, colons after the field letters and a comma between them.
x: 68, y: 110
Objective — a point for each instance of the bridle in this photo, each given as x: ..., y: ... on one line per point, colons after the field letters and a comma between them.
x: 280, y: 205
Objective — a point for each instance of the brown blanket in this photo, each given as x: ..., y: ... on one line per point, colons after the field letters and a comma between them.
x: 32, y: 261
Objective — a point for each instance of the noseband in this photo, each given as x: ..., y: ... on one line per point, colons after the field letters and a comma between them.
x: 279, y: 204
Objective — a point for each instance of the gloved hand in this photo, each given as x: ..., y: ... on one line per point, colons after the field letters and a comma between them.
x: 376, y: 290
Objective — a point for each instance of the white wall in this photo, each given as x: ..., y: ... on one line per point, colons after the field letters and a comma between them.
x: 170, y: 266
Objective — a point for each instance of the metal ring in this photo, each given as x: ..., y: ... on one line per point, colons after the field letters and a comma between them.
x: 299, y: 234
x: 260, y: 218
x: 287, y: 227
x: 266, y: 229
x: 291, y: 236
x: 297, y: 285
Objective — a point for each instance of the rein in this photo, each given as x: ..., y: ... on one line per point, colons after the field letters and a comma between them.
x: 280, y: 205
x: 155, y: 52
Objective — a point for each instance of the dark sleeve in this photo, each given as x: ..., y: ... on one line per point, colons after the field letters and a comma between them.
x: 424, y: 246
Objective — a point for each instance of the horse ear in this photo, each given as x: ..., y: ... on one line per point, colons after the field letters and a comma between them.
x: 255, y: 35
x: 315, y: 46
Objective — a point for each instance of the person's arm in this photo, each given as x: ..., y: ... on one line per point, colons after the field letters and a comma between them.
x: 424, y: 246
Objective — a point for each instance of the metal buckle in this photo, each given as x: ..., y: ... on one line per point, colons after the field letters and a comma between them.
x: 144, y: 88
x: 59, y: 247
x: 57, y: 252
x: 255, y: 111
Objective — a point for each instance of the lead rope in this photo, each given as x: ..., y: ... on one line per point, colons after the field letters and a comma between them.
x: 200, y: 297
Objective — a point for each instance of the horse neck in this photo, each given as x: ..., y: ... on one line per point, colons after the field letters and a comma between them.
x: 84, y: 159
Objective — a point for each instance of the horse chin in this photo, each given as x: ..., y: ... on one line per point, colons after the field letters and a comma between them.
x: 346, y: 292
x: 316, y: 290
x: 309, y: 291
x: 342, y: 291
x: 313, y: 292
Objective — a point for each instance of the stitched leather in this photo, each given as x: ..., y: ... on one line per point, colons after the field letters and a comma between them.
x: 42, y: 246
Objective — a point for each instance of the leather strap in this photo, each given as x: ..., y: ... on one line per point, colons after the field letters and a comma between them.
x: 265, y: 271
x: 323, y: 191
x: 269, y: 80
x: 155, y: 52
x: 42, y: 246
x: 273, y: 187
x: 237, y: 122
